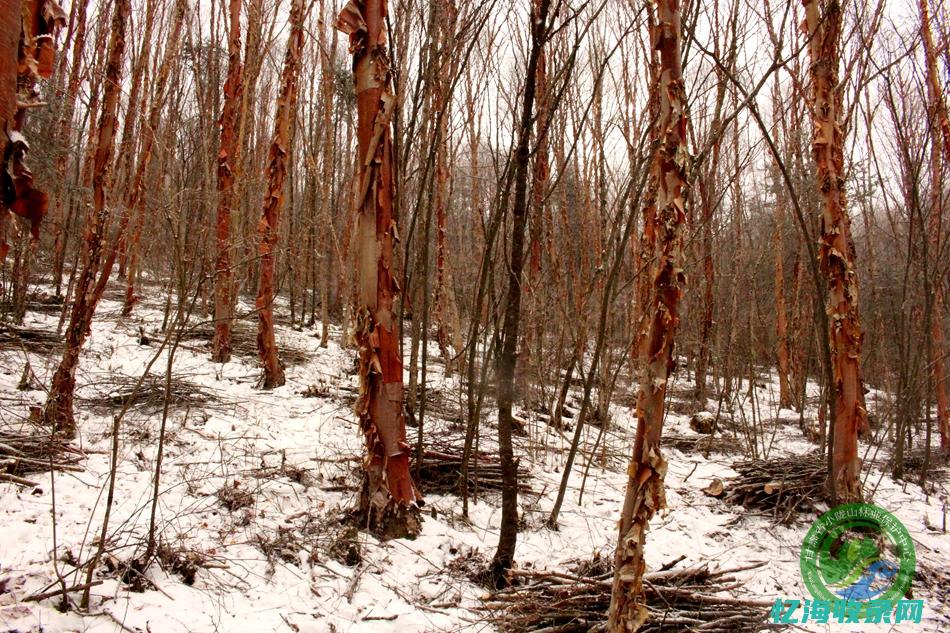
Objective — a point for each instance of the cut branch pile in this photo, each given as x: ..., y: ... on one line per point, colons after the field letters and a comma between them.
x: 678, y: 600
x: 35, y: 341
x: 785, y: 486
x: 38, y: 302
x: 704, y: 444
x: 32, y: 449
x: 915, y: 459
x: 244, y: 343
x: 113, y: 394
x: 441, y: 473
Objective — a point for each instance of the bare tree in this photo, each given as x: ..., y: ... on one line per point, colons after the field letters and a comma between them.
x: 267, y: 228
x: 388, y: 496
x: 836, y: 250
x: 665, y: 218
x: 229, y: 157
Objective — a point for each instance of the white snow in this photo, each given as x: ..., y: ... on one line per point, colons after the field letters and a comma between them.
x: 247, y: 434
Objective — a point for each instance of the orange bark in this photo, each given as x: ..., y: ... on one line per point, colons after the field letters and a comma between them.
x: 388, y: 491
x: 229, y: 157
x: 29, y: 32
x: 939, y: 141
x: 663, y: 243
x: 58, y: 411
x: 823, y: 24
x: 276, y: 174
x: 135, y: 201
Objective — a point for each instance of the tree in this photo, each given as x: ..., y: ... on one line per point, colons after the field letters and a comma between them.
x: 276, y: 173
x: 940, y: 140
x: 508, y: 536
x: 229, y: 157
x: 388, y: 496
x: 27, y: 44
x: 663, y: 243
x: 836, y: 252
x: 135, y: 200
x: 58, y: 411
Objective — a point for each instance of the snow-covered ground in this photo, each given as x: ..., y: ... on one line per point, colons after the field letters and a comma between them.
x: 276, y: 564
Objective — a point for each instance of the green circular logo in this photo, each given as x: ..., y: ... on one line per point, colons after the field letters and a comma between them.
x: 858, y: 552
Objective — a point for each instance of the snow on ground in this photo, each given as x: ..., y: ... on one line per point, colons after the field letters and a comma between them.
x: 296, y: 458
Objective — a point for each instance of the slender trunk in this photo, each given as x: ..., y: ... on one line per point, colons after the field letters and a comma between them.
x: 135, y: 203
x: 939, y: 152
x: 63, y: 203
x: 663, y: 240
x: 388, y: 498
x: 58, y: 411
x: 276, y: 173
x: 504, y: 555
x: 823, y: 20
x: 229, y: 157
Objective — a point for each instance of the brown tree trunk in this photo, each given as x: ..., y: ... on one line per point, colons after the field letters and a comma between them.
x: 939, y: 152
x: 508, y: 536
x: 268, y: 228
x: 327, y: 242
x: 135, y: 203
x: 446, y: 313
x: 58, y: 412
x: 388, y: 498
x: 663, y: 240
x: 781, y: 315
x: 823, y: 21
x: 63, y: 204
x: 229, y: 157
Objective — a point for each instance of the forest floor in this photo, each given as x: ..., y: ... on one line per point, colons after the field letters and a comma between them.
x: 254, y: 485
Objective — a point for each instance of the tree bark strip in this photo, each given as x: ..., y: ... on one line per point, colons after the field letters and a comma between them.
x: 229, y: 157
x: 823, y: 20
x: 58, y: 412
x: 276, y: 173
x: 663, y: 237
x: 939, y: 154
x: 388, y: 498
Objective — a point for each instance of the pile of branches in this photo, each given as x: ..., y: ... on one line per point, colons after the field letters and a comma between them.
x: 441, y: 473
x: 915, y: 459
x: 704, y: 444
x: 33, y: 340
x: 30, y: 448
x: 244, y: 343
x: 784, y: 486
x: 118, y: 390
x: 678, y: 600
x: 38, y: 302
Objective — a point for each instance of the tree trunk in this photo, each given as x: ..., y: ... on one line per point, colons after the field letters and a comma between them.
x: 663, y: 241
x: 58, y: 412
x: 939, y: 152
x: 388, y: 498
x: 267, y: 229
x: 229, y: 157
x: 507, y: 539
x: 135, y: 204
x: 823, y: 21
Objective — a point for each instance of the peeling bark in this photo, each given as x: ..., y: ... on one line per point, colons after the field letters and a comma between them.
x: 939, y: 153
x: 135, y: 201
x: 29, y: 33
x: 448, y: 328
x: 663, y: 243
x: 58, y: 412
x: 389, y: 497
x: 276, y: 174
x: 229, y: 157
x: 823, y: 25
